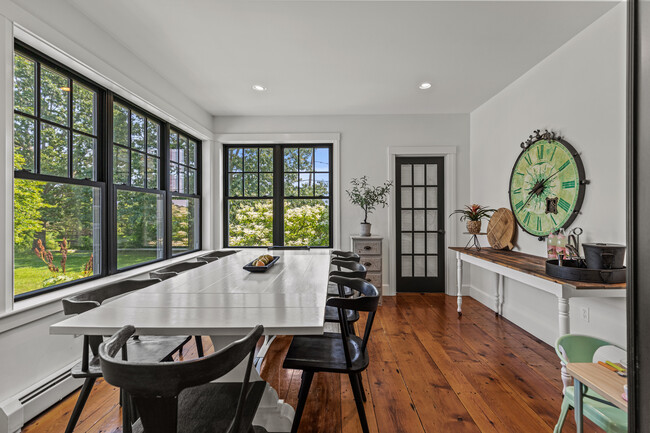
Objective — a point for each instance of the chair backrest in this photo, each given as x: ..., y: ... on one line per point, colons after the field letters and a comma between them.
x: 175, y: 269
x: 347, y: 266
x: 93, y: 298
x: 346, y: 255
x: 155, y: 387
x: 367, y: 301
x: 579, y: 348
x: 220, y: 254
x: 282, y: 247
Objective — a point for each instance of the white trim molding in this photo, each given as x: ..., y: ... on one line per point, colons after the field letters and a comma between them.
x: 333, y: 138
x: 449, y: 154
x: 7, y: 166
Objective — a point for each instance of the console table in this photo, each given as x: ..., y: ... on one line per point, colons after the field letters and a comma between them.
x: 531, y: 270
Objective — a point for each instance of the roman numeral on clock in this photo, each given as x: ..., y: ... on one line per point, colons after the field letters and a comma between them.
x: 540, y: 152
x: 527, y: 218
x: 564, y: 205
x: 539, y: 224
x: 563, y: 166
x: 516, y: 191
x: 519, y: 205
x: 553, y: 154
x: 528, y: 160
x: 569, y: 184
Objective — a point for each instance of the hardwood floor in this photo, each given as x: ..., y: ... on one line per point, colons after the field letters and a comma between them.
x: 429, y: 372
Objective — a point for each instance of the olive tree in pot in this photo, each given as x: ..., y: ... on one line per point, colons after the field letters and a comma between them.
x: 368, y: 197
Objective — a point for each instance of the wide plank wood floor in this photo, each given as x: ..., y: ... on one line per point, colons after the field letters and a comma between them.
x: 430, y: 372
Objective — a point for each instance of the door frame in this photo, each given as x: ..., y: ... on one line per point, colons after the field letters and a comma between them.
x: 449, y: 154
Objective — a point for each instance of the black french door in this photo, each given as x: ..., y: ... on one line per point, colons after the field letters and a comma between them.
x: 420, y: 219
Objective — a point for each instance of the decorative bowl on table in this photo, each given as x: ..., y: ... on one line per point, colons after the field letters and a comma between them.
x: 261, y: 264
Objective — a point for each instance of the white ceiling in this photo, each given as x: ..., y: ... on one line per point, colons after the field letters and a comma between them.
x: 341, y: 57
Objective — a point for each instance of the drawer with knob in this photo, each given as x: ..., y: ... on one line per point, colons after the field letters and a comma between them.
x: 369, y: 247
x: 371, y: 263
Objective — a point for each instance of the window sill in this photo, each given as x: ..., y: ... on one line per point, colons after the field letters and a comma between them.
x: 47, y: 304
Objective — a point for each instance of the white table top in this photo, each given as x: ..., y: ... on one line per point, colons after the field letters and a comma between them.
x: 221, y: 298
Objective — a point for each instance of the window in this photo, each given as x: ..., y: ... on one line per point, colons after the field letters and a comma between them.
x: 278, y: 195
x: 69, y: 225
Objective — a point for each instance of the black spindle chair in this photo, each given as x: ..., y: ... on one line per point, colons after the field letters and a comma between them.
x: 336, y: 352
x: 149, y: 348
x: 180, y: 397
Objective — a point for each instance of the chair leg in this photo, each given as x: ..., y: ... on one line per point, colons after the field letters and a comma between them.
x: 127, y: 414
x: 359, y: 401
x: 81, y: 402
x: 305, y: 384
x: 199, y: 345
x: 563, y: 413
x: 363, y: 392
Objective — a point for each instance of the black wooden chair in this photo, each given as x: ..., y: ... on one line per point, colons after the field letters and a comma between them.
x: 336, y: 352
x: 216, y: 255
x: 180, y: 397
x: 350, y: 269
x: 170, y: 272
x: 346, y: 255
x: 150, y: 349
x: 287, y: 247
x: 354, y: 270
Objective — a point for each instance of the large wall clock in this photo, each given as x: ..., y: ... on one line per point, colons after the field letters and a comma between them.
x: 547, y: 184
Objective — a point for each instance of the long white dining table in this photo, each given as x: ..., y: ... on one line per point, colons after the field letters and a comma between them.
x: 224, y: 301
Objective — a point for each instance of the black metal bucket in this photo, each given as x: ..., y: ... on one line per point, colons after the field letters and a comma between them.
x: 604, y: 256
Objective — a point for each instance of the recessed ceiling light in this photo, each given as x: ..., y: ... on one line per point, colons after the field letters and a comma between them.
x: 424, y: 86
x: 259, y: 87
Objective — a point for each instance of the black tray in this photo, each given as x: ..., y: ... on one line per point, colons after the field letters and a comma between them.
x: 575, y: 271
x: 250, y: 268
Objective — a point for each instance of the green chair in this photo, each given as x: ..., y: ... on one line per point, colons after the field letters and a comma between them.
x: 581, y: 348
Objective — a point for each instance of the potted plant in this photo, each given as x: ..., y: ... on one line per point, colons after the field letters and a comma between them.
x: 368, y: 197
x: 473, y: 214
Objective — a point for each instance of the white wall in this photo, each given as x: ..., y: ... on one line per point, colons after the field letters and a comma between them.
x: 364, y: 151
x: 578, y: 91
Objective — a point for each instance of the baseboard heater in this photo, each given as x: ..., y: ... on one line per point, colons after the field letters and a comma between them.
x: 19, y: 409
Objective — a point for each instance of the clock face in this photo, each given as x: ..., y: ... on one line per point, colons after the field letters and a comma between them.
x: 546, y: 188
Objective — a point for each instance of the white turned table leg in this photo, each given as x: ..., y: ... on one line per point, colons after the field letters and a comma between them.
x: 565, y: 328
x: 499, y: 298
x: 273, y: 413
x: 459, y: 282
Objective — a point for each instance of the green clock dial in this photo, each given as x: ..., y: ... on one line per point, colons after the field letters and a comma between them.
x: 546, y: 186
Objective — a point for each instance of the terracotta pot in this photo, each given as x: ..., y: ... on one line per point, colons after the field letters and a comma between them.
x: 474, y: 227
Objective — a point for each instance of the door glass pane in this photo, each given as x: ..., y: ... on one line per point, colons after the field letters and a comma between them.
x: 58, y: 220
x: 432, y: 220
x: 120, y: 124
x: 140, y: 227
x: 83, y: 157
x: 405, y: 170
x: 407, y: 243
x: 418, y: 220
x: 306, y: 222
x: 418, y: 266
x: 418, y: 174
x: 432, y: 174
x: 120, y: 165
x: 84, y: 103
x: 244, y: 214
x: 55, y: 92
x: 432, y: 266
x: 432, y: 243
x: 407, y: 266
x: 407, y: 220
x: 407, y: 199
x: 24, y: 143
x: 418, y: 243
x: 54, y: 150
x: 24, y: 84
x: 432, y: 197
x: 418, y: 197
x: 137, y: 169
x: 185, y: 224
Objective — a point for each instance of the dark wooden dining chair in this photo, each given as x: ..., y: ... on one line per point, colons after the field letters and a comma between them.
x: 288, y: 247
x: 171, y: 271
x: 180, y: 397
x: 346, y: 268
x: 336, y: 352
x: 216, y: 255
x: 149, y: 348
x: 346, y: 255
x: 355, y: 270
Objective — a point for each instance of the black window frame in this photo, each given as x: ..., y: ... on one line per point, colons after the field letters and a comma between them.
x: 278, y: 190
x: 103, y: 167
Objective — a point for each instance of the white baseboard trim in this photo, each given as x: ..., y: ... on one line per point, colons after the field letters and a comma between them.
x: 386, y: 291
x: 19, y: 409
x: 485, y: 298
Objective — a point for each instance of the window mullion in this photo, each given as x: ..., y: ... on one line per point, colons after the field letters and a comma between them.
x: 165, y: 187
x: 278, y: 199
x: 37, y: 123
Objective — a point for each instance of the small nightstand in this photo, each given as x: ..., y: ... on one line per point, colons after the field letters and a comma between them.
x: 370, y: 248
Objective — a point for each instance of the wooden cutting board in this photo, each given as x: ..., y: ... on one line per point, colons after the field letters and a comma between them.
x: 501, y: 229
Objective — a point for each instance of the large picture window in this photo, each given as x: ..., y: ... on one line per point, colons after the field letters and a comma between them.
x: 278, y: 195
x: 68, y: 225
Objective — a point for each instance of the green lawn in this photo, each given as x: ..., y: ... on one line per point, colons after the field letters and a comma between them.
x: 30, y: 273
